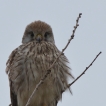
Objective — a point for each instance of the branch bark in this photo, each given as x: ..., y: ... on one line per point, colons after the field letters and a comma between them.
x: 85, y: 70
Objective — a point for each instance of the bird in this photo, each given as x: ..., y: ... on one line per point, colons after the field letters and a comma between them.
x: 28, y: 63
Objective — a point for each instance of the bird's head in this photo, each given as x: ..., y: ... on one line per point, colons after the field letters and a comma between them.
x: 38, y: 31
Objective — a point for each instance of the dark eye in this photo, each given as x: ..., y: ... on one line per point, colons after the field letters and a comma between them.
x: 46, y: 34
x: 31, y: 34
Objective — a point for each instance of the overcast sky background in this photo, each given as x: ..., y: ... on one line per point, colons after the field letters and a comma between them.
x: 90, y: 39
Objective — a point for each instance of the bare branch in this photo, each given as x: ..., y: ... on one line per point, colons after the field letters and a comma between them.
x: 48, y: 71
x: 85, y: 70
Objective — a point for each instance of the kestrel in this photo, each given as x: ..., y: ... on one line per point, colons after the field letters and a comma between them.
x: 29, y: 62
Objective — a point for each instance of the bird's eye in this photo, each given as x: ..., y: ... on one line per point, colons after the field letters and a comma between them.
x: 31, y: 34
x: 46, y: 34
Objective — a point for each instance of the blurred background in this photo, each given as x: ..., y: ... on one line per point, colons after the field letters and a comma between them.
x: 90, y: 39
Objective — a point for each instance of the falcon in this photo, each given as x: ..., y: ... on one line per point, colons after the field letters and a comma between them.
x: 28, y: 64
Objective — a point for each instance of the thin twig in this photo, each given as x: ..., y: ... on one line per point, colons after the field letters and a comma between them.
x: 49, y: 71
x: 85, y: 70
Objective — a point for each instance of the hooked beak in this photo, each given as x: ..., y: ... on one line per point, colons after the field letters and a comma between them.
x: 39, y: 38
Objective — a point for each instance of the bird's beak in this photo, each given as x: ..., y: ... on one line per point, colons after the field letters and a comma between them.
x: 39, y: 37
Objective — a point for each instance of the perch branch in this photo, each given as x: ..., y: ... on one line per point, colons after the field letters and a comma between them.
x: 48, y: 71
x: 85, y: 70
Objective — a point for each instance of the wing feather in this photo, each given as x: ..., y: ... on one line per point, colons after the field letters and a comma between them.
x: 13, y: 96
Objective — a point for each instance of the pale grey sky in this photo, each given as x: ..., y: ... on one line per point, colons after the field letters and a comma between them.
x: 90, y: 38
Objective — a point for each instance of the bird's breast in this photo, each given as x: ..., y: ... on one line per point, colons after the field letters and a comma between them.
x: 30, y: 64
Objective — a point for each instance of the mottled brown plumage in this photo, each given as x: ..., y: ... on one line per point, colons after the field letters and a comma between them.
x: 29, y: 62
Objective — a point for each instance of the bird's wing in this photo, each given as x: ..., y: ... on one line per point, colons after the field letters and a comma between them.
x: 13, y: 96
